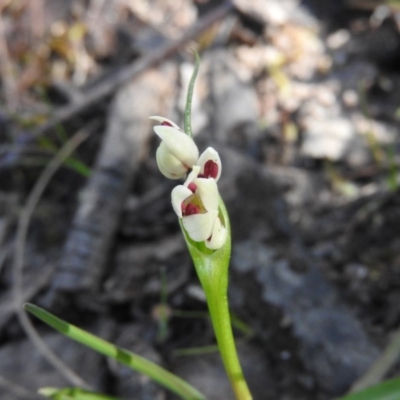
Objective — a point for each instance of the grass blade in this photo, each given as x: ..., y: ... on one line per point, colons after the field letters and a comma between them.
x: 388, y: 390
x: 125, y: 357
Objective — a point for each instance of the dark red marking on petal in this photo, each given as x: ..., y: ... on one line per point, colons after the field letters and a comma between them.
x: 192, y: 186
x: 191, y: 209
x: 183, y: 207
x: 211, y: 169
x: 165, y: 123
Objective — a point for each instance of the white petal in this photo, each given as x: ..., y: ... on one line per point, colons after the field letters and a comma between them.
x: 199, y: 226
x: 193, y: 175
x: 179, y: 144
x: 207, y: 190
x: 178, y: 195
x: 162, y: 119
x: 168, y: 164
x: 218, y: 236
x: 210, y: 154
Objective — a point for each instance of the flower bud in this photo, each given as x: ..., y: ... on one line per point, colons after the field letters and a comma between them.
x: 177, y: 152
x: 218, y: 236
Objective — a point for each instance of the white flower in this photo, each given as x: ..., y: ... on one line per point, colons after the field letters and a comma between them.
x: 177, y: 152
x: 196, y: 202
x: 210, y: 164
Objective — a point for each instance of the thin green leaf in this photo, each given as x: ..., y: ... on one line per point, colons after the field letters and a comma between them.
x: 393, y: 169
x: 125, y: 357
x: 196, y: 351
x: 187, y: 120
x: 71, y: 162
x: 73, y: 394
x: 241, y: 326
x: 388, y: 390
x: 46, y: 143
x: 78, y: 166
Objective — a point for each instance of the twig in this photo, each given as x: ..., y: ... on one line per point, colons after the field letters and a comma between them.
x: 6, y: 69
x: 18, y: 390
x: 83, y: 264
x: 381, y: 366
x: 4, y: 251
x: 19, y: 251
x: 107, y: 87
x: 36, y: 13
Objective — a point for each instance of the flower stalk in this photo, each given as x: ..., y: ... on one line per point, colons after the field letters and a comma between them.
x: 212, y: 270
x: 205, y: 225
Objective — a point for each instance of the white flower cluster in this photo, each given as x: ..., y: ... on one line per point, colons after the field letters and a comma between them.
x: 196, y: 201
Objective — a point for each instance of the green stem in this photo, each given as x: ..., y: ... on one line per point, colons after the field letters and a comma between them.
x: 220, y: 318
x: 212, y: 270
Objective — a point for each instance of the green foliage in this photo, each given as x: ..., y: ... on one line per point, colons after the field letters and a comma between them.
x: 73, y: 394
x: 125, y: 357
x: 388, y: 390
x: 71, y: 162
x: 188, y: 108
x: 392, y: 177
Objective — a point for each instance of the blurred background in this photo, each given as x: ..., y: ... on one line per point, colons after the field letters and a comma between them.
x: 302, y: 101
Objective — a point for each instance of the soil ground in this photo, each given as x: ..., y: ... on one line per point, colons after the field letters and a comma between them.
x: 301, y: 99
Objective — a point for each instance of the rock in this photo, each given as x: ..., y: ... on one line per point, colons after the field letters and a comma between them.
x: 130, y: 384
x: 137, y: 269
x: 234, y: 105
x: 331, y: 342
x: 22, y: 364
x: 327, y: 138
x: 207, y: 374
